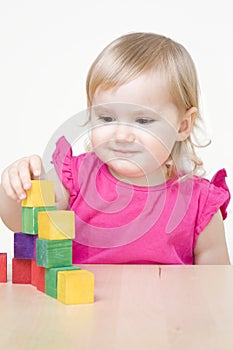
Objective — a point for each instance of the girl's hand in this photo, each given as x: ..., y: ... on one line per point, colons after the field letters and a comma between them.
x: 16, y: 178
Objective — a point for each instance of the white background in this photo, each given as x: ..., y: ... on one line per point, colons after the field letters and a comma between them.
x: 47, y: 46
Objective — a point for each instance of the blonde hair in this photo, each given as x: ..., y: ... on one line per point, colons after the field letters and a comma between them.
x: 136, y: 53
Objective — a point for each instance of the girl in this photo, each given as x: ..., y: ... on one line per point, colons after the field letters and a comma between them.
x: 138, y: 196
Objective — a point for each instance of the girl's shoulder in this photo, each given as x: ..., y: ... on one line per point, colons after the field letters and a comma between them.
x: 198, y: 199
x: 68, y: 166
x: 210, y: 196
x: 213, y: 193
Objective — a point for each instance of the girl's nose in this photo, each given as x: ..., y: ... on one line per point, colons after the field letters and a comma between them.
x: 124, y: 133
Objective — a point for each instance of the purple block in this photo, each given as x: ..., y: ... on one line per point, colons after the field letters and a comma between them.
x: 24, y: 246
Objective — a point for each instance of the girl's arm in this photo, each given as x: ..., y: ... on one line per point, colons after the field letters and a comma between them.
x: 16, y: 179
x: 211, y: 248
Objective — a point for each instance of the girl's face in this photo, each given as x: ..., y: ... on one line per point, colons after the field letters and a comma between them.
x: 134, y: 128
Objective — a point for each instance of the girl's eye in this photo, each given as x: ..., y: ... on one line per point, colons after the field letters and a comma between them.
x: 106, y: 118
x: 145, y: 121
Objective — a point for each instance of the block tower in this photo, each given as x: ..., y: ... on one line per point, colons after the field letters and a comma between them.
x: 43, y: 250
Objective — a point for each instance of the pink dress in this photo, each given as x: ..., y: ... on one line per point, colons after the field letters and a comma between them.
x: 119, y: 223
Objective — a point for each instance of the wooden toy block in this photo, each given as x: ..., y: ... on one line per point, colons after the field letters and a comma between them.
x: 3, y: 267
x: 56, y: 225
x: 34, y: 268
x: 21, y: 271
x: 40, y: 278
x: 24, y: 246
x: 53, y: 253
x: 75, y: 287
x: 51, y: 279
x: 41, y: 194
x: 30, y: 218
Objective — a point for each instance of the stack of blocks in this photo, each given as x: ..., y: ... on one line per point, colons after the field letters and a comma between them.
x: 43, y: 250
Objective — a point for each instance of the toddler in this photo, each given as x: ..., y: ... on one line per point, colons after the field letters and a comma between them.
x: 139, y: 194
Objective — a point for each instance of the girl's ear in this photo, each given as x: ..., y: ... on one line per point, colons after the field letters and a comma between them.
x: 186, y: 124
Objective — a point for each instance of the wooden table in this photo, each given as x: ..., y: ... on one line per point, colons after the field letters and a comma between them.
x: 136, y: 307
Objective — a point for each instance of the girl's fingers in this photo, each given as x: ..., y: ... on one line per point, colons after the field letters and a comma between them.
x: 15, y: 184
x: 24, y: 173
x: 7, y: 186
x: 29, y: 168
x: 16, y: 179
x: 35, y: 166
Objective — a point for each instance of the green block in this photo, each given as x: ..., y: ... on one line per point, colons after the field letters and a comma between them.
x: 30, y: 219
x: 56, y: 253
x: 51, y: 279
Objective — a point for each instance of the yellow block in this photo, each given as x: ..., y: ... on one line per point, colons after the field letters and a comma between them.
x: 75, y: 287
x: 56, y: 225
x: 41, y: 194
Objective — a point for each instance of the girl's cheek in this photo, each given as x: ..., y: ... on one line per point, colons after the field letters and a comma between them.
x: 98, y: 137
x: 95, y: 140
x: 102, y: 134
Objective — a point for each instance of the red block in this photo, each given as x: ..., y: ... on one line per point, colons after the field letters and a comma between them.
x: 3, y: 267
x: 21, y: 271
x: 38, y: 276
x: 40, y: 283
x: 33, y: 273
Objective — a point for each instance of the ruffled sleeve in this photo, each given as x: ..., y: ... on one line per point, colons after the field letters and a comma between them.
x: 62, y: 160
x: 214, y: 195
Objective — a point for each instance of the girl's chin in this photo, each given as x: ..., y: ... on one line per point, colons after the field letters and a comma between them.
x: 124, y: 168
x: 129, y: 172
